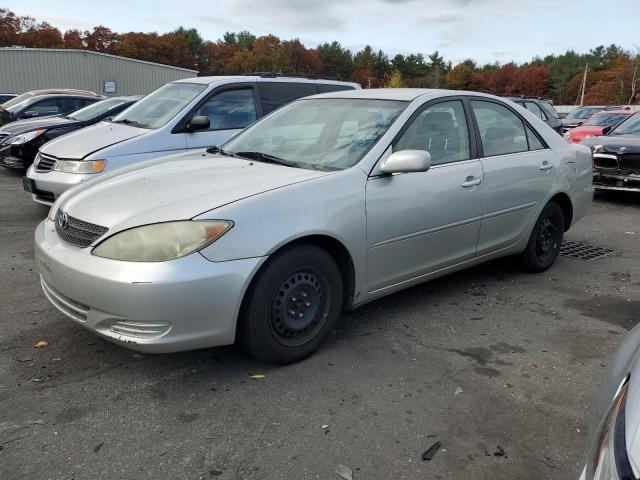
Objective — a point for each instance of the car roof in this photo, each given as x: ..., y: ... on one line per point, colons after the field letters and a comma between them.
x: 62, y: 95
x: 403, y: 94
x: 260, y: 78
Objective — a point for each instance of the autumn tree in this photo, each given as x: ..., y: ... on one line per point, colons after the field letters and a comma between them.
x: 395, y: 81
x: 460, y: 77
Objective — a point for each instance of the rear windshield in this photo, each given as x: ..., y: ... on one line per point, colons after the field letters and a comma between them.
x: 156, y: 109
x: 549, y: 109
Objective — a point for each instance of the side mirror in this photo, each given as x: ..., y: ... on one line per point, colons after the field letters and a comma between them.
x: 607, y: 129
x: 30, y: 114
x: 198, y: 123
x: 406, y: 161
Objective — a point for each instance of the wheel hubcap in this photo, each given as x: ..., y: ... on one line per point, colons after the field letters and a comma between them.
x: 298, y: 308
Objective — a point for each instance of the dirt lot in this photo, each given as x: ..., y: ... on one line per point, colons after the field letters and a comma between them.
x: 524, y: 352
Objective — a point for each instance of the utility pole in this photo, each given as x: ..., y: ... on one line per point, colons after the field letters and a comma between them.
x: 584, y: 84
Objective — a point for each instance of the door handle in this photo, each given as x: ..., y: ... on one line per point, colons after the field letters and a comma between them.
x: 546, y: 165
x: 471, y: 182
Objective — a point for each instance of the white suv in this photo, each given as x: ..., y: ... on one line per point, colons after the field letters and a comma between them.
x: 184, y: 115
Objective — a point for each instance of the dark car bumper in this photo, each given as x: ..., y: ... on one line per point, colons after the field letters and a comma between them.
x: 629, y: 182
x: 19, y: 158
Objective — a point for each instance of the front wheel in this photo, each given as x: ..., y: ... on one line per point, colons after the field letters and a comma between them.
x: 545, y: 241
x: 292, y: 305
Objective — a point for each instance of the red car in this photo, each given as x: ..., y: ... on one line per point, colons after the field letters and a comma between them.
x: 597, y: 124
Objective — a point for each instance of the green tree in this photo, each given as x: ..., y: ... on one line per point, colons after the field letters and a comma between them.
x: 337, y: 60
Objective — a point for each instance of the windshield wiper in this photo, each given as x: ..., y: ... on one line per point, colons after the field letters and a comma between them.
x: 133, y: 123
x: 265, y: 157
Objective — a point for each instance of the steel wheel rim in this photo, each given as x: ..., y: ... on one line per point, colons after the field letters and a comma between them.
x: 547, y: 239
x: 299, y: 307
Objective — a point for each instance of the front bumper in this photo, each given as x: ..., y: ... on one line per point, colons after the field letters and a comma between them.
x: 8, y: 159
x: 159, y: 307
x: 52, y: 184
x: 616, y: 181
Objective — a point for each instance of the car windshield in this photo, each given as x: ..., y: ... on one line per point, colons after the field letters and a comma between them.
x: 321, y: 134
x: 18, y: 99
x: 160, y: 106
x: 605, y: 119
x: 631, y: 126
x: 549, y: 109
x: 583, y: 112
x: 16, y: 107
x: 96, y: 109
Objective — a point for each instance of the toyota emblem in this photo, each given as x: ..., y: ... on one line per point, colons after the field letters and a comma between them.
x: 63, y: 221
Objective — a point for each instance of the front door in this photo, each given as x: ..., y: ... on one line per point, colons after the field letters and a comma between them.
x: 229, y: 112
x: 425, y: 221
x: 519, y: 170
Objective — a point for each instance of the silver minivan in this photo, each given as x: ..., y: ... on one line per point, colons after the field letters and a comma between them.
x: 184, y: 115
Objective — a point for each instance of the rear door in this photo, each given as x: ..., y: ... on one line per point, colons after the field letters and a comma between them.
x: 519, y: 170
x: 230, y: 109
x: 276, y: 94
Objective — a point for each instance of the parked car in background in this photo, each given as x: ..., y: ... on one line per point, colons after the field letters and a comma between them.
x: 45, y: 106
x: 614, y: 452
x: 597, y: 124
x: 576, y: 117
x: 5, y: 97
x: 189, y: 114
x: 616, y: 157
x: 50, y: 91
x: 328, y: 203
x: 541, y: 108
x: 20, y: 141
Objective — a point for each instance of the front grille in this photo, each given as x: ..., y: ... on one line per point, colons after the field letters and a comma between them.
x: 70, y: 308
x: 45, y: 196
x: 630, y: 161
x: 77, y: 232
x: 605, y: 161
x: 45, y: 162
x: 3, y: 136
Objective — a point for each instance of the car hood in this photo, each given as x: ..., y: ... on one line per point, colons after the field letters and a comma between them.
x: 176, y: 188
x: 91, y: 139
x: 22, y: 126
x: 615, y: 143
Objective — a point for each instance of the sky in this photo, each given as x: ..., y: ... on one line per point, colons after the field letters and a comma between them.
x: 484, y: 30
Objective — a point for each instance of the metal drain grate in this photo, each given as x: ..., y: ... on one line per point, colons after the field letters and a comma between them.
x: 583, y: 251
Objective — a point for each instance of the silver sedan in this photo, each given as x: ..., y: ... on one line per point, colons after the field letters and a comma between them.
x: 326, y: 204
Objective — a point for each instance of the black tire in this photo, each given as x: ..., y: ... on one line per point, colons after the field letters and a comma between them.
x: 545, y: 240
x: 292, y: 305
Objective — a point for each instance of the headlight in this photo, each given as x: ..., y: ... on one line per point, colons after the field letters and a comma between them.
x: 567, y: 136
x: 79, y: 166
x: 25, y: 137
x: 610, y: 459
x: 160, y: 242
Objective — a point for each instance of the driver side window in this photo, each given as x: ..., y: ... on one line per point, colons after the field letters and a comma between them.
x: 229, y: 110
x: 440, y: 129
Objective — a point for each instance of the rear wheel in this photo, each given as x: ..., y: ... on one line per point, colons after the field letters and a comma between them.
x: 292, y: 305
x: 545, y: 241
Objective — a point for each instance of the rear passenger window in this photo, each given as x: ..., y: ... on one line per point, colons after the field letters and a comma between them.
x: 535, y: 109
x: 440, y: 129
x: 501, y: 130
x: 534, y: 141
x: 276, y: 94
x: 229, y: 110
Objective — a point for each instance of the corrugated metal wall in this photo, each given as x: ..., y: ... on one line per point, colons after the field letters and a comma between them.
x: 24, y: 69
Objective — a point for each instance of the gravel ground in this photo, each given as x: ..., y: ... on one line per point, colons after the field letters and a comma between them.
x: 500, y: 366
